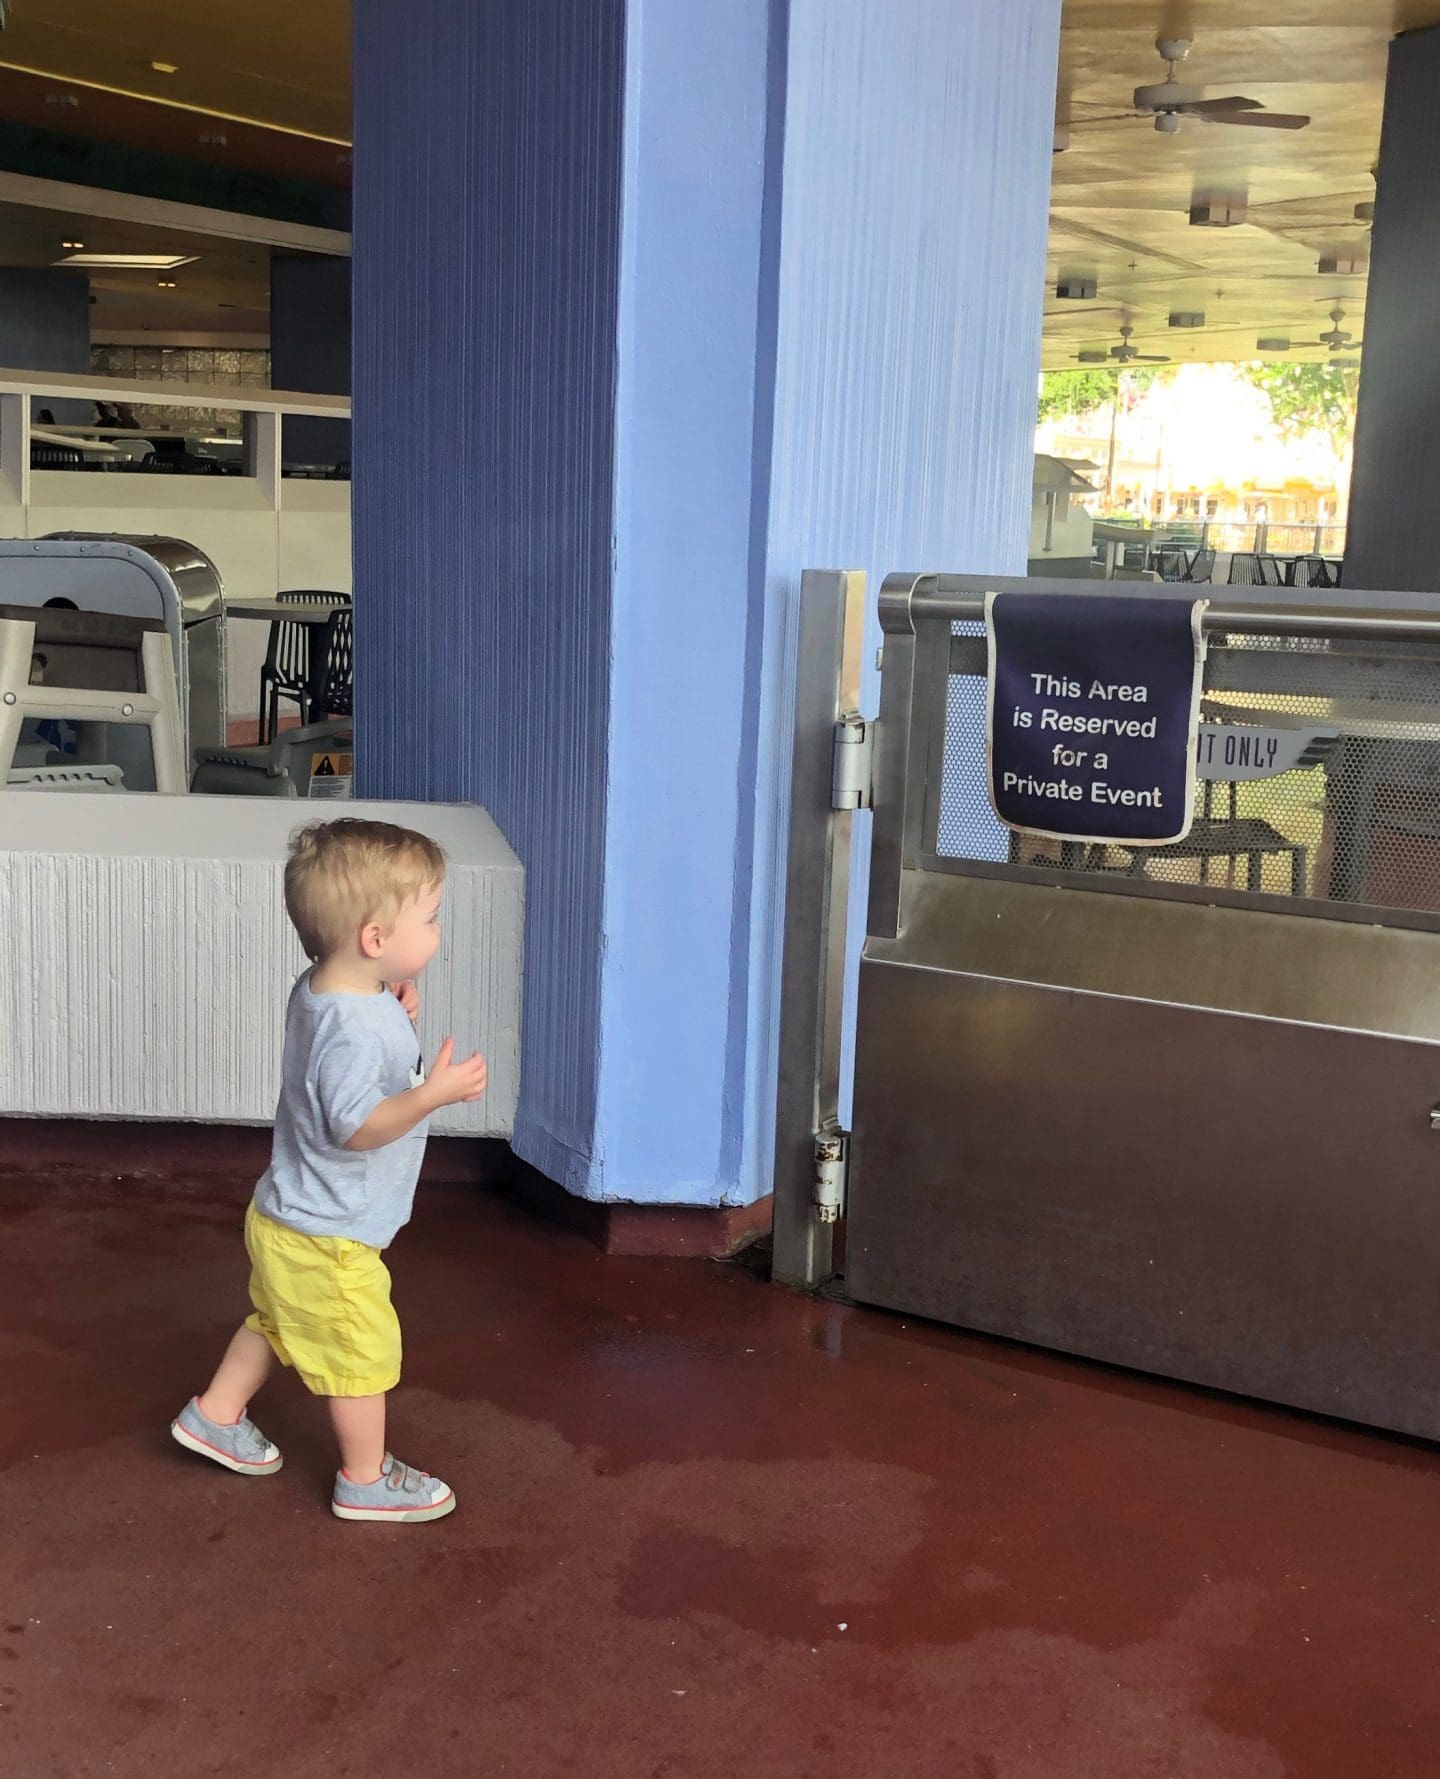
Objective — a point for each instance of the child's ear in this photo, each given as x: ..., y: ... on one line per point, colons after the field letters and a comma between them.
x: 372, y: 939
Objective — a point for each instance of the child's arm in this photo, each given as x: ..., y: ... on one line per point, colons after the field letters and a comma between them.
x: 448, y: 1084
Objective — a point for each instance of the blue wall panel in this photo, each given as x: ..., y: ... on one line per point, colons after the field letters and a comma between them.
x: 487, y: 169
x: 696, y: 122
x: 909, y: 305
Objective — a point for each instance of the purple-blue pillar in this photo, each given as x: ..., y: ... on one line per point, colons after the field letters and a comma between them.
x: 657, y: 305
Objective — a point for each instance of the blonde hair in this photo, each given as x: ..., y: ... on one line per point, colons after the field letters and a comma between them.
x: 342, y: 874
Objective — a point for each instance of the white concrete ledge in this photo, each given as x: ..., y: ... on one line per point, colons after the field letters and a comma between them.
x: 147, y: 955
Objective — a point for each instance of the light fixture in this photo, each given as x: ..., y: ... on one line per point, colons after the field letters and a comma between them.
x: 213, y: 139
x: 1078, y: 290
x: 1273, y: 343
x: 1342, y: 265
x: 66, y: 99
x: 129, y: 262
x: 1187, y: 318
x: 165, y: 284
x: 166, y: 67
x: 1093, y: 355
x: 76, y: 246
x: 1365, y: 210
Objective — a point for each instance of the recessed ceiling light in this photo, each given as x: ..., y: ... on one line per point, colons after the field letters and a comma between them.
x: 166, y: 67
x: 129, y: 262
x: 75, y: 245
x: 165, y: 283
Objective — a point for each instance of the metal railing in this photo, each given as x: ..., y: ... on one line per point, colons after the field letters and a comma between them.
x: 1249, y: 536
x: 1350, y: 830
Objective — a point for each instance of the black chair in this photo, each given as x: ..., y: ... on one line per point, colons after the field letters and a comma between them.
x: 334, y: 694
x: 1202, y: 566
x: 1245, y: 570
x: 1311, y: 571
x: 1272, y: 571
x: 47, y: 456
x: 1170, y: 562
x: 293, y: 667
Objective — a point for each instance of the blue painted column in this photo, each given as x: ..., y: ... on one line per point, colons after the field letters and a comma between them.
x: 656, y: 306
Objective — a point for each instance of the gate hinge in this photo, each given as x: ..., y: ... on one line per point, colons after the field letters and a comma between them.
x: 854, y: 749
x: 832, y: 1163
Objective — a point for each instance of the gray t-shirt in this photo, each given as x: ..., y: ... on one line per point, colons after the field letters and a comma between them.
x: 344, y: 1053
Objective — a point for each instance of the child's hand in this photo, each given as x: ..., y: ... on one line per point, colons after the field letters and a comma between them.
x: 409, y: 998
x: 450, y: 1082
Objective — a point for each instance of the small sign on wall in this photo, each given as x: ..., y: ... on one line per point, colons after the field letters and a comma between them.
x: 331, y: 775
x: 1094, y: 715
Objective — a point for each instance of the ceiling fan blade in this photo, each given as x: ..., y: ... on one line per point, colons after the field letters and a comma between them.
x: 1219, y: 107
x: 1149, y: 358
x: 1257, y: 120
x: 1109, y: 117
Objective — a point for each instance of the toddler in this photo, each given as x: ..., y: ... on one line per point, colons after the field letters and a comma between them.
x: 349, y: 1139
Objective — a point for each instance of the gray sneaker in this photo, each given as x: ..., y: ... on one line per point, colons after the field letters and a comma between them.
x: 242, y: 1447
x: 400, y: 1495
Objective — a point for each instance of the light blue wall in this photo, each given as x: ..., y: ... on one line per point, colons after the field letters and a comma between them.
x: 685, y: 493
x: 890, y: 296
x: 916, y: 197
x: 487, y: 171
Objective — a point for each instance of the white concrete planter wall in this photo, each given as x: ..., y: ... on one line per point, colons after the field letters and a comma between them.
x: 148, y: 956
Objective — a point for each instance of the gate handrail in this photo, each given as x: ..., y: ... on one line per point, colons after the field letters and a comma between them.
x: 908, y: 599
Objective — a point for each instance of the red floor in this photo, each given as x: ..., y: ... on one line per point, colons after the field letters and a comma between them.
x: 706, y: 1528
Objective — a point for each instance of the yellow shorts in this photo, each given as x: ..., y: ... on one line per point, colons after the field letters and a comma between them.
x: 323, y: 1303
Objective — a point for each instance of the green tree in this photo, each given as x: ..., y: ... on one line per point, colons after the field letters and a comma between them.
x: 1066, y: 395
x: 1310, y: 397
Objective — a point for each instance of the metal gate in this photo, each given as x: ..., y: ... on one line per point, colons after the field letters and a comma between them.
x: 1177, y: 1110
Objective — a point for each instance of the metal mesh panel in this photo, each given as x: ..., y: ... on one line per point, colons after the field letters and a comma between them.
x: 1356, y: 820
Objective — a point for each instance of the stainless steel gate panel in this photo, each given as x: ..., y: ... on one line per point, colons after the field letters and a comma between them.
x: 1236, y: 1201
x: 1128, y: 1109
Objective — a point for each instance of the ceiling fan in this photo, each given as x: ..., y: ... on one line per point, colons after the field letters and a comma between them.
x: 1170, y: 100
x: 1123, y: 354
x: 1336, y: 338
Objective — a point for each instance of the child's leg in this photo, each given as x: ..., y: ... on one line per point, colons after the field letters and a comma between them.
x: 359, y: 1423
x: 244, y: 1368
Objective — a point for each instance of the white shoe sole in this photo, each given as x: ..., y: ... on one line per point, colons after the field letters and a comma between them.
x: 402, y: 1516
x: 216, y: 1456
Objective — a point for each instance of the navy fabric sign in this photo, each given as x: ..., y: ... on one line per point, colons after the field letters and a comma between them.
x: 1094, y: 712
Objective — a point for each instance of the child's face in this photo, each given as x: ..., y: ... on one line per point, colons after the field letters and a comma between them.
x: 414, y: 939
